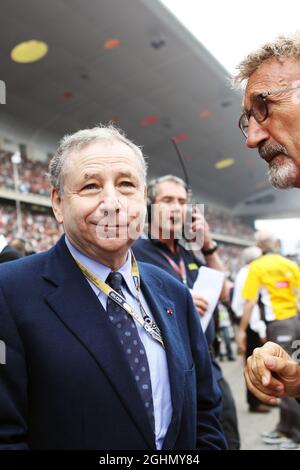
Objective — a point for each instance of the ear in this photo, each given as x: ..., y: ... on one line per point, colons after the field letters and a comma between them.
x: 145, y: 192
x: 56, y: 205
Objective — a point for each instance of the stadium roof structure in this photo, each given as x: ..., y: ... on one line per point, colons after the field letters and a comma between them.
x: 133, y: 63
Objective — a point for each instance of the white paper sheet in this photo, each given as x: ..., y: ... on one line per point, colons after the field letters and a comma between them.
x: 208, y: 284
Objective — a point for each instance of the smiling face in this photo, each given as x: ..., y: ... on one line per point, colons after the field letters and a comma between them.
x: 102, y: 207
x: 278, y: 137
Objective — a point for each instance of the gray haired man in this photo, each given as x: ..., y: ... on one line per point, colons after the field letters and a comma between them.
x: 102, y: 352
x: 270, y: 122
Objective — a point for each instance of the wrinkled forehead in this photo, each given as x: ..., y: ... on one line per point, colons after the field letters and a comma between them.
x: 101, y: 151
x: 102, y: 158
x: 108, y: 154
x: 271, y: 75
x: 170, y: 188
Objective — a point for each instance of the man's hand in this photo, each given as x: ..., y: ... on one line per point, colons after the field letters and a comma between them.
x: 200, y: 303
x: 200, y: 226
x: 207, y: 238
x: 270, y: 373
x: 200, y: 231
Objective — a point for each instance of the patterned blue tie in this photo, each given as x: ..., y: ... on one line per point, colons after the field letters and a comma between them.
x: 132, y: 345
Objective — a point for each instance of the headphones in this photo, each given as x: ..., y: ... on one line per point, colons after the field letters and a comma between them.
x: 151, y: 190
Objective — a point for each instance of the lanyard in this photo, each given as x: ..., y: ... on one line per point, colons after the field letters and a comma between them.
x: 178, y: 268
x: 149, y: 325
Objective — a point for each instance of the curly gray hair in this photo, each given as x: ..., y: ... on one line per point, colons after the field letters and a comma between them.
x: 81, y: 139
x: 284, y: 46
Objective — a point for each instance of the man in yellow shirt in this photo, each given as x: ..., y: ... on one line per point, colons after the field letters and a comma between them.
x: 277, y: 280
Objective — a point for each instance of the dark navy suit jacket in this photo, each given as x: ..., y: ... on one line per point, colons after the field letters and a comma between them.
x: 66, y: 383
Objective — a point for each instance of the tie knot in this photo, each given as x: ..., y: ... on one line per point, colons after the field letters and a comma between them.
x: 114, y: 280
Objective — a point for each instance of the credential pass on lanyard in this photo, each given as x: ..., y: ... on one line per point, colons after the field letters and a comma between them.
x: 149, y: 326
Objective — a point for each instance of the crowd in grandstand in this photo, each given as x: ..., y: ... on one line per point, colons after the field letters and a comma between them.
x: 226, y: 224
x: 40, y: 231
x: 32, y: 175
x: 231, y: 257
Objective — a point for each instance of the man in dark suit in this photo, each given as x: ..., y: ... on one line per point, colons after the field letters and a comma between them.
x: 101, y: 353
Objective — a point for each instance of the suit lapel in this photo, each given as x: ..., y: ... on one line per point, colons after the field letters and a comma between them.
x: 173, y: 345
x: 74, y: 302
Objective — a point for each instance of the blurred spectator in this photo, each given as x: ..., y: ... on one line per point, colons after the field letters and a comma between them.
x: 19, y: 244
x: 256, y: 330
x: 225, y: 330
x: 7, y: 253
x: 231, y: 258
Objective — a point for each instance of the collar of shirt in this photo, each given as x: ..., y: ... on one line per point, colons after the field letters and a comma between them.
x: 3, y: 243
x: 101, y: 270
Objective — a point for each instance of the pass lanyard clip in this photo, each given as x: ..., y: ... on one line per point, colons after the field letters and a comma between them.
x: 146, y: 322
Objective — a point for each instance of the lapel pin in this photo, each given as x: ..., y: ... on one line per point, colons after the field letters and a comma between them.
x: 169, y: 311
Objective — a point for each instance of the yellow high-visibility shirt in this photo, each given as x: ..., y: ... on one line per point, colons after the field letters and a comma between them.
x: 277, y: 279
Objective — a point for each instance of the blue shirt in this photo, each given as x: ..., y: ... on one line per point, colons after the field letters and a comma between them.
x: 156, y: 355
